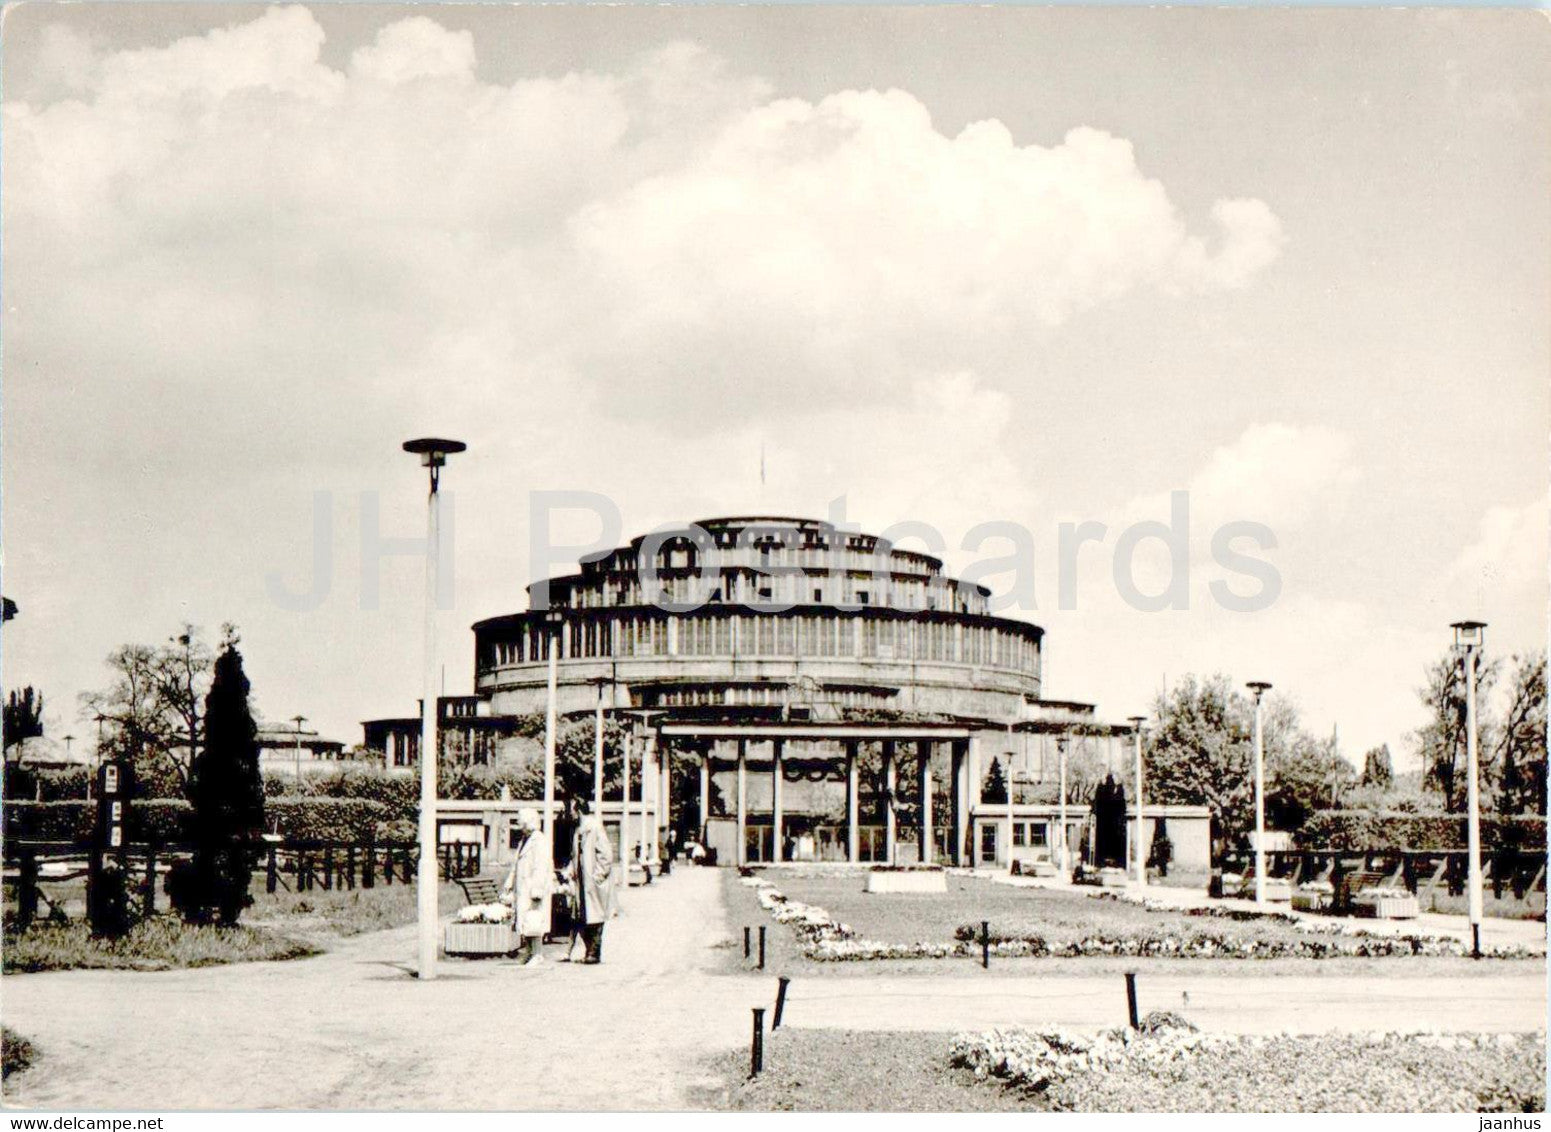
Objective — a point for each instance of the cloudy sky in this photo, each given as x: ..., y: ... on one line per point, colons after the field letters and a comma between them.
x: 953, y: 265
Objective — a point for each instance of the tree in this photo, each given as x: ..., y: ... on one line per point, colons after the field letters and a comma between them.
x: 181, y: 676
x: 227, y: 797
x: 23, y: 715
x: 1303, y: 775
x: 995, y: 788
x: 1440, y: 743
x: 1378, y: 768
x: 1202, y: 753
x: 1521, y: 743
x: 152, y: 709
x: 1199, y: 752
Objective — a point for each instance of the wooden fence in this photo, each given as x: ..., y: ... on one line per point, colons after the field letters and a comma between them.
x: 297, y: 864
x: 1420, y: 871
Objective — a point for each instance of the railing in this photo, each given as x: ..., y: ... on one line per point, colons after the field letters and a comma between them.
x: 1518, y: 871
x: 299, y: 864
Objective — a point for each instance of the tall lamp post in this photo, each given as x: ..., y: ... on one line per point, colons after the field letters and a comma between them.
x: 1469, y: 639
x: 554, y: 623
x: 298, y: 720
x: 433, y: 453
x: 1259, y: 688
x: 1136, y: 722
x: 101, y: 719
x: 597, y: 751
x: 1061, y: 741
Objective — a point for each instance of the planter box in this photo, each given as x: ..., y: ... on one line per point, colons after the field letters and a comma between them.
x: 480, y: 939
x: 1386, y: 905
x: 908, y: 880
x: 1312, y: 899
x: 1278, y: 891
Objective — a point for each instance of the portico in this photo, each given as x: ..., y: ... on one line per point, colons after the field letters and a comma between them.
x: 774, y: 755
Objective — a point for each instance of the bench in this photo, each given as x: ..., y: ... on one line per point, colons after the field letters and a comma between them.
x: 480, y: 890
x: 1375, y: 894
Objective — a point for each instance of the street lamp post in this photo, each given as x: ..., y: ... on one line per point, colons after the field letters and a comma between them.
x: 298, y: 720
x: 1061, y: 741
x: 1259, y: 688
x: 597, y: 752
x: 433, y: 453
x: 101, y: 719
x: 1469, y: 638
x: 1140, y: 853
x: 554, y: 621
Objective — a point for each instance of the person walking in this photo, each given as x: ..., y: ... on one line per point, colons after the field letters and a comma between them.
x: 531, y: 882
x: 590, y: 873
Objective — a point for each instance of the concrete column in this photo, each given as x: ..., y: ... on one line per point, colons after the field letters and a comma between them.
x: 665, y: 792
x: 649, y: 781
x: 960, y: 800
x: 976, y: 771
x: 888, y: 802
x: 777, y: 818
x: 705, y: 795
x: 743, y: 801
x: 928, y: 849
x: 853, y: 804
x: 624, y: 812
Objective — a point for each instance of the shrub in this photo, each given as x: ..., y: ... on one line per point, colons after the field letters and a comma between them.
x: 156, y: 819
x: 1367, y: 829
x: 327, y: 819
x: 16, y: 1052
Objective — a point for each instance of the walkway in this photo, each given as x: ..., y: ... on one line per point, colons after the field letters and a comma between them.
x: 354, y: 1030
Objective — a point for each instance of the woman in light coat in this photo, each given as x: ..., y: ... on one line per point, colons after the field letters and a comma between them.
x: 531, y: 882
x: 591, y: 874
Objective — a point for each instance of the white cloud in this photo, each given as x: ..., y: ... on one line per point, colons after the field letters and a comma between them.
x: 225, y: 238
x: 667, y: 227
x: 1501, y: 576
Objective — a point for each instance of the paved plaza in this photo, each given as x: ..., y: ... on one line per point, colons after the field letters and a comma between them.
x: 353, y: 1029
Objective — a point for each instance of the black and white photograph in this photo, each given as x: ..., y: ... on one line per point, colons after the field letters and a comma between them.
x: 735, y: 559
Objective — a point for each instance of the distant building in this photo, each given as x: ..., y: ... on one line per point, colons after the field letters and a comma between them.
x: 287, y: 751
x: 827, y: 684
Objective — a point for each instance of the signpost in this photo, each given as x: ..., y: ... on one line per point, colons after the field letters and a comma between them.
x: 107, y: 895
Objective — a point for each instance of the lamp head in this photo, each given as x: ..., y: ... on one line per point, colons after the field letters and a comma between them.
x: 1259, y: 688
x: 433, y: 452
x: 1469, y: 635
x: 1136, y: 721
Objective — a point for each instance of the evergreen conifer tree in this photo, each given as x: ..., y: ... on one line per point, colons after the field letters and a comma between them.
x: 227, y: 796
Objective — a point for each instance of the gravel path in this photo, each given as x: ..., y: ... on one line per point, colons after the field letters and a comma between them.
x: 354, y: 1030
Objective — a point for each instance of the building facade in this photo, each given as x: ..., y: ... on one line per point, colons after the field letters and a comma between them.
x: 841, y: 698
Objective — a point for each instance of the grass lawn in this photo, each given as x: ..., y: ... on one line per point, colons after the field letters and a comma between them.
x: 343, y: 911
x: 824, y: 1070
x: 1059, y: 917
x: 160, y: 944
x: 287, y: 925
x: 16, y: 1053
x: 856, y: 1071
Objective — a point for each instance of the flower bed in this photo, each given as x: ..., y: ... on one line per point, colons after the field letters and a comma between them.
x: 1318, y: 942
x: 826, y: 939
x: 1169, y: 1065
x: 1348, y: 939
x: 1238, y: 934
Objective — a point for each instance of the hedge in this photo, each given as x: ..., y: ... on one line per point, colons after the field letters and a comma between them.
x: 1368, y: 829
x: 156, y: 819
x: 167, y: 819
x: 326, y: 819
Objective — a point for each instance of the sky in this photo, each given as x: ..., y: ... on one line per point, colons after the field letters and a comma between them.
x: 944, y: 266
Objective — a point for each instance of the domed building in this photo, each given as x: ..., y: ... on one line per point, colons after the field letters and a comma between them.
x: 840, y: 698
